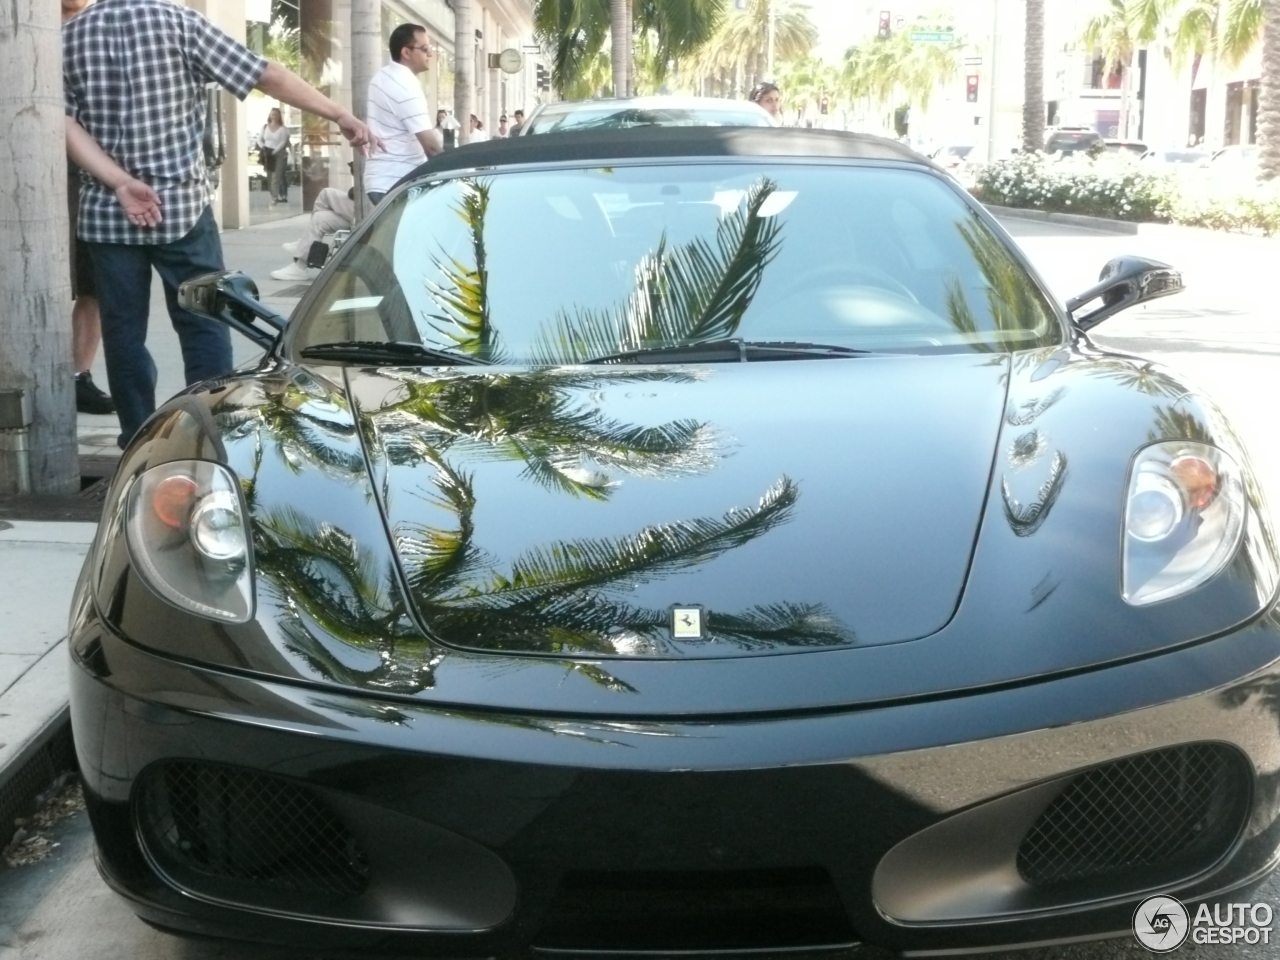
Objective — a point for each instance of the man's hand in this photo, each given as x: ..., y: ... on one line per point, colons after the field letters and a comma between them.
x: 140, y: 203
x: 358, y: 134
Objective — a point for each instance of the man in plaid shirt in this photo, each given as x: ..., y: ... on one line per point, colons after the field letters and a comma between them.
x: 135, y: 72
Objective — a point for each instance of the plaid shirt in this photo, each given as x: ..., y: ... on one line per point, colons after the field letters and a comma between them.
x: 134, y: 73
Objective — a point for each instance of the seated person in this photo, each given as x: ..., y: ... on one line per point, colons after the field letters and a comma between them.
x: 334, y: 210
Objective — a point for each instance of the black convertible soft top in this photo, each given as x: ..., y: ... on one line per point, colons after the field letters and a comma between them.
x: 659, y: 142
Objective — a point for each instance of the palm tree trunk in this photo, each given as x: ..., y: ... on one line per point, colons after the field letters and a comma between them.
x: 35, y: 335
x: 1126, y: 97
x: 1033, y: 81
x: 464, y: 42
x: 631, y: 49
x: 1269, y: 95
x: 620, y: 50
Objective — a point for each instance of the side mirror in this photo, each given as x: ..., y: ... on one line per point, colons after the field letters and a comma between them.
x: 1125, y: 281
x: 231, y: 297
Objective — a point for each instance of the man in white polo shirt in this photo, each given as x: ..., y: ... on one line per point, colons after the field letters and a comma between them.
x: 397, y: 113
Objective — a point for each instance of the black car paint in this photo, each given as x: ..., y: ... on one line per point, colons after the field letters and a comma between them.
x: 717, y: 762
x: 1055, y: 490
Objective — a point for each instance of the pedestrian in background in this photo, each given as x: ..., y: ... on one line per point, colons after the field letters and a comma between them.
x: 519, y: 122
x: 398, y: 113
x: 502, y: 130
x: 86, y: 325
x: 478, y: 131
x: 769, y: 97
x: 273, y: 143
x: 164, y: 55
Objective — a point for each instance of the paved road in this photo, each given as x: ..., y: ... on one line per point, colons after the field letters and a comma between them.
x: 1224, y: 332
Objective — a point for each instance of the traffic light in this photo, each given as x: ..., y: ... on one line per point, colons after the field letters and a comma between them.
x: 544, y: 81
x: 971, y: 88
x: 885, y: 28
x: 823, y: 104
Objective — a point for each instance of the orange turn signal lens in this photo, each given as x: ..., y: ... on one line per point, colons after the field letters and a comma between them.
x: 1198, y: 479
x: 172, y: 500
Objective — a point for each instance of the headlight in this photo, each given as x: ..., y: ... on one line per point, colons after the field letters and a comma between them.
x: 1183, y: 519
x: 189, y: 541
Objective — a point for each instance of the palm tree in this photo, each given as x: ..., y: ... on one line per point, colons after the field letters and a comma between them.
x: 1269, y: 95
x: 1033, y: 82
x: 742, y: 40
x: 884, y: 72
x: 576, y: 31
x: 1111, y: 33
x: 620, y: 36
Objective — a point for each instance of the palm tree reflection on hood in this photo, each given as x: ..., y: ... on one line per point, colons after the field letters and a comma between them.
x: 556, y: 599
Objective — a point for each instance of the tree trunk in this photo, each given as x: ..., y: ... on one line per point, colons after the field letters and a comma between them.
x: 35, y: 300
x: 464, y: 59
x: 1033, y: 82
x: 1269, y: 94
x: 366, y: 59
x: 1126, y: 97
x: 620, y: 50
x: 631, y: 49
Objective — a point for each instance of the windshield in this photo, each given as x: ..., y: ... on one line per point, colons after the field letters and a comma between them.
x: 571, y: 265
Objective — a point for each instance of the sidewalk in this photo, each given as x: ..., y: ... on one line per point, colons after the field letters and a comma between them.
x: 40, y: 561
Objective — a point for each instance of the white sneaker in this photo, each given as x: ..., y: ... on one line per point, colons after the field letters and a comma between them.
x: 291, y: 247
x: 295, y: 271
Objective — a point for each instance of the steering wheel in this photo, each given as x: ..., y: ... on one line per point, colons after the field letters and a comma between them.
x: 859, y: 274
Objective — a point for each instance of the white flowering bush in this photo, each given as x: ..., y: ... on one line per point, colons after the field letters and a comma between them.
x: 1220, y: 206
x: 1121, y: 190
x: 1096, y: 188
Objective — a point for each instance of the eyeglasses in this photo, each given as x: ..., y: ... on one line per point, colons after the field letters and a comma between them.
x: 425, y: 48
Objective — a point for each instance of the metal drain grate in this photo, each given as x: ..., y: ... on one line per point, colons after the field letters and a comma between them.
x: 243, y: 826
x: 1142, y: 811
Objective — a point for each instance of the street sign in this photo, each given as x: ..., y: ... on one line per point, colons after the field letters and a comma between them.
x: 932, y: 36
x: 973, y: 61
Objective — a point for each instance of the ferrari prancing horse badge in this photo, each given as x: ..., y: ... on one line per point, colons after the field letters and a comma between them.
x: 688, y: 622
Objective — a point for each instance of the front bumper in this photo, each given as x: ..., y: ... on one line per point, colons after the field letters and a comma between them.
x: 483, y: 833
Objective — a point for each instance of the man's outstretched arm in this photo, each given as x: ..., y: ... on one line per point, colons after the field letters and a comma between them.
x: 140, y: 202
x: 278, y: 82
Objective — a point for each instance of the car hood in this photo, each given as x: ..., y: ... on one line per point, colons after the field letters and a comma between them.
x: 772, y: 507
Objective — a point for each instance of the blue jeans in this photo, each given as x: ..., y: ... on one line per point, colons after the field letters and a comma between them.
x: 375, y: 197
x: 122, y: 273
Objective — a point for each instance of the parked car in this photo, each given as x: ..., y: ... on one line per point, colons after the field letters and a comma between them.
x: 679, y: 540
x: 1067, y: 140
x: 566, y: 115
x: 1235, y: 160
x: 1128, y: 149
x: 1176, y: 157
x: 957, y: 160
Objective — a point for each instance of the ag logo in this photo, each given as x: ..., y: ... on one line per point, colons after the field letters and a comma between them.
x: 1161, y: 924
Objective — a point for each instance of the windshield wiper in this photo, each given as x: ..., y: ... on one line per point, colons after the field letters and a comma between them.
x: 731, y: 350
x: 385, y: 351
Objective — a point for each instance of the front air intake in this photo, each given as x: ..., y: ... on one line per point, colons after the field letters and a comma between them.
x: 1180, y: 805
x: 209, y: 825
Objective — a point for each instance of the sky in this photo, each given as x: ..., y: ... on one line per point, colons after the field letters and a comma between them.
x: 839, y: 23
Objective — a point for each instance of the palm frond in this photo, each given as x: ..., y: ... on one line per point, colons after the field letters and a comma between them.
x: 683, y: 294
x: 542, y: 574
x: 464, y: 297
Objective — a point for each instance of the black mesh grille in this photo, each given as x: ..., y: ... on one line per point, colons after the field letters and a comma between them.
x: 242, y: 826
x: 1158, y: 808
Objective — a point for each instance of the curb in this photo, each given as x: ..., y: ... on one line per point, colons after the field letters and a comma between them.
x: 1071, y: 219
x: 33, y: 769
